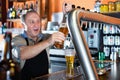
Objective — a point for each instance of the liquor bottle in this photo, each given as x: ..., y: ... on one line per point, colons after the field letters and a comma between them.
x: 31, y: 6
x: 4, y: 64
x: 4, y: 27
x: 8, y: 65
x: 14, y: 67
x: 97, y: 6
x: 10, y: 13
x: 26, y: 7
x: 13, y: 13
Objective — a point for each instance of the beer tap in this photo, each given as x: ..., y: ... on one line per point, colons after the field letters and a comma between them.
x: 81, y: 46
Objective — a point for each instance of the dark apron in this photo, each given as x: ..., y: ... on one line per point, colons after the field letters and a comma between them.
x: 36, y: 66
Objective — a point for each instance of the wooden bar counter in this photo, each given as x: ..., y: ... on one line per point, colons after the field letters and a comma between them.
x: 112, y: 72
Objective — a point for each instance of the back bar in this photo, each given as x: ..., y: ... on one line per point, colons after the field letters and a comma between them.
x: 80, y: 44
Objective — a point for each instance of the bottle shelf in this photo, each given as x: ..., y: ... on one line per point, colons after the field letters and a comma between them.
x: 16, y: 23
x: 116, y: 34
x: 14, y: 30
x: 110, y: 12
x: 48, y: 32
x: 13, y: 20
x: 112, y: 45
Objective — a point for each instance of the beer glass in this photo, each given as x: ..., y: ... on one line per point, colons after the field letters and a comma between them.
x: 69, y: 56
x: 62, y: 28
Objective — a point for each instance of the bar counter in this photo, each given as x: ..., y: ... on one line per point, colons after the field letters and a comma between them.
x: 112, y: 73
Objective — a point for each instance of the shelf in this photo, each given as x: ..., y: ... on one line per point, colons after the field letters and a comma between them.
x: 48, y: 32
x: 113, y: 14
x: 15, y: 23
x: 13, y: 30
x: 110, y: 12
x: 3, y: 10
x: 24, y: 0
x: 13, y: 20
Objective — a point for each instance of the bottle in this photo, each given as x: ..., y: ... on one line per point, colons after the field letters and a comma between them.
x: 4, y: 27
x: 14, y: 67
x: 101, y: 54
x: 18, y: 12
x: 97, y: 6
x: 36, y: 6
x: 8, y: 65
x: 31, y: 6
x: 13, y: 13
x: 4, y: 64
x: 26, y: 7
x: 78, y: 7
x: 10, y: 13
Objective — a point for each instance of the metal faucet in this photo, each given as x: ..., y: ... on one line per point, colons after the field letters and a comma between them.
x: 80, y: 45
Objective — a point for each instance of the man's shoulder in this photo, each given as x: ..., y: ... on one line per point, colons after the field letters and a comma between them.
x: 18, y: 37
x: 18, y: 40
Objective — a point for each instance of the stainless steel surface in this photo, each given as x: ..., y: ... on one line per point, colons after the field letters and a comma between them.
x: 57, y: 60
x: 80, y: 45
x: 59, y: 52
x: 52, y: 26
x: 94, y: 38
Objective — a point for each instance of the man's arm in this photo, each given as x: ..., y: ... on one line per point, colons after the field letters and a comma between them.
x: 27, y: 52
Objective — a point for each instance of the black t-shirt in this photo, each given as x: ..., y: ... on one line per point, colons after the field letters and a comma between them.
x: 36, y: 66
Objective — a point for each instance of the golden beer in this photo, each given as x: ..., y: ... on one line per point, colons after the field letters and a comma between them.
x: 70, y: 65
x: 69, y: 56
x: 63, y: 28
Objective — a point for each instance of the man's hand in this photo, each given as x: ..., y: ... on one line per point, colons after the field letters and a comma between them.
x: 56, y: 37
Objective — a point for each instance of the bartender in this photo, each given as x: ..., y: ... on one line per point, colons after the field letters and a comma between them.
x: 30, y: 47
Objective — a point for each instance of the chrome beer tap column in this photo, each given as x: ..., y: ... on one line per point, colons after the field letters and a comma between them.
x: 80, y: 44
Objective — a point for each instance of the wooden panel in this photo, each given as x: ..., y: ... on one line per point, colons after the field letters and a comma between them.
x: 3, y: 12
x: 98, y: 17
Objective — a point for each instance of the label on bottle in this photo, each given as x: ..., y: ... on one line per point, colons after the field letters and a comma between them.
x: 106, y: 29
x: 105, y: 40
x: 107, y: 51
x: 13, y: 14
x: 111, y: 40
x: 117, y: 40
x: 101, y: 56
x: 97, y: 6
x: 111, y: 29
